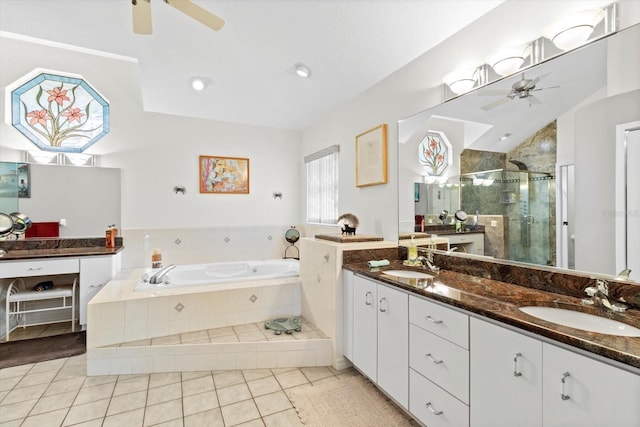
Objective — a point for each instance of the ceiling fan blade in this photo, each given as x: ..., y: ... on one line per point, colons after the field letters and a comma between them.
x: 544, y: 88
x: 495, y: 104
x: 141, y: 16
x: 199, y: 14
x: 494, y: 92
x: 533, y: 101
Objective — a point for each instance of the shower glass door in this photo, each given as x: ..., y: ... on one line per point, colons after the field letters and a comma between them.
x: 528, y: 204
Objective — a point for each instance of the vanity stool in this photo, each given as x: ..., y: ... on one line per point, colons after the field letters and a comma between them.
x: 21, y: 302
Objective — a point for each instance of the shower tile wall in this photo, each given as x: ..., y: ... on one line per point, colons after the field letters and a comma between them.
x: 202, y: 245
x: 538, y: 153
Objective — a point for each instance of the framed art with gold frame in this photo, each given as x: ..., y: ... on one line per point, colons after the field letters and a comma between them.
x: 225, y: 175
x: 371, y: 157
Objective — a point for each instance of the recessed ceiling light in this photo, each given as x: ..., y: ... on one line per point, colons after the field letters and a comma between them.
x: 199, y: 83
x: 505, y: 136
x: 302, y: 70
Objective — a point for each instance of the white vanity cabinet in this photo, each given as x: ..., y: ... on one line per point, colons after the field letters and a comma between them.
x: 464, y: 370
x: 506, y: 377
x: 520, y: 380
x: 380, y: 336
x: 472, y: 243
x: 347, y: 316
x: 579, y: 391
x: 439, y: 364
x: 95, y: 272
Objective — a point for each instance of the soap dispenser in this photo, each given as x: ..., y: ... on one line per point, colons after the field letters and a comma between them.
x: 412, y: 253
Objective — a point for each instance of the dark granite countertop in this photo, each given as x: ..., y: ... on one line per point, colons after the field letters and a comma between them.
x: 57, y: 253
x: 500, y: 301
x: 56, y: 247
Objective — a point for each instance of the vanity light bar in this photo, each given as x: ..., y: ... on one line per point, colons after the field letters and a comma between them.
x: 525, y: 56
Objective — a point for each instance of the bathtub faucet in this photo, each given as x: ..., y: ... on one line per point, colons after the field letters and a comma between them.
x: 157, y: 278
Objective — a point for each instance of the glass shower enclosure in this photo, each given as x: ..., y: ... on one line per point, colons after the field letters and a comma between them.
x: 525, y: 200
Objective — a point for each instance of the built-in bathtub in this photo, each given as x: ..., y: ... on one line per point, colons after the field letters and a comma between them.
x: 220, y: 273
x: 120, y: 314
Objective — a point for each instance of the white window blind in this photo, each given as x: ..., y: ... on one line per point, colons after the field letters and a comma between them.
x: 322, y: 186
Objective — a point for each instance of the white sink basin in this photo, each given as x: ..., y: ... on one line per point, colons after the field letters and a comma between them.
x: 584, y: 321
x: 408, y: 274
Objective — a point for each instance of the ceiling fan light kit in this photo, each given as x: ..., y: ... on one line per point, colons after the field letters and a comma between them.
x: 566, y: 34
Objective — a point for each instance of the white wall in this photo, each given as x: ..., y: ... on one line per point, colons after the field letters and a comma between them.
x: 155, y: 152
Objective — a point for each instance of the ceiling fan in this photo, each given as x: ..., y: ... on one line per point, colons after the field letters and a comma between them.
x: 142, y: 15
x: 522, y: 89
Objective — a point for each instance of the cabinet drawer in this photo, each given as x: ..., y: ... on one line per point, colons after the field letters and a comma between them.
x: 461, y: 238
x: 442, y: 321
x: 433, y: 406
x: 41, y: 267
x: 440, y: 361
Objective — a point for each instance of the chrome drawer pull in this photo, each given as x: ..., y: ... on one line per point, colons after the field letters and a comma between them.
x: 366, y: 298
x: 430, y: 357
x: 382, y: 310
x: 430, y: 407
x: 35, y: 268
x: 97, y: 286
x: 516, y: 373
x: 563, y: 381
x: 431, y: 319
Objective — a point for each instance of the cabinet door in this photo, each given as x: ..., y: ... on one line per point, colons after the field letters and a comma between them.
x: 579, y: 391
x: 95, y: 272
x: 506, y: 377
x: 347, y: 293
x: 393, y: 343
x: 365, y: 315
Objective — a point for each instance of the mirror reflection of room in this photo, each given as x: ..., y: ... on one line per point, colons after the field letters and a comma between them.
x: 530, y: 170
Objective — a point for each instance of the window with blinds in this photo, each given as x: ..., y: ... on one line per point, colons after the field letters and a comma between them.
x: 322, y: 186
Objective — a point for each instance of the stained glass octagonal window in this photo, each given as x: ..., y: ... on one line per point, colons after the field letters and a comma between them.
x: 60, y: 113
x: 435, y: 153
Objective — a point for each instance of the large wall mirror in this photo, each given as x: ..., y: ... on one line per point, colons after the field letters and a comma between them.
x: 560, y: 168
x: 86, y: 198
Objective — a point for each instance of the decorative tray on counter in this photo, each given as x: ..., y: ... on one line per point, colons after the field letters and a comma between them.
x: 349, y: 238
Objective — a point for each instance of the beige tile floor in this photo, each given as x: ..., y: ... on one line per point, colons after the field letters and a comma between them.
x: 58, y: 393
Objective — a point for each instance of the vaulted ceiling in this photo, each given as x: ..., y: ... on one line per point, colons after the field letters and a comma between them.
x: 349, y: 45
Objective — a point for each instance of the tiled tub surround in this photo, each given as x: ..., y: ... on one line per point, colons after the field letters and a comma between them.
x: 483, y: 288
x: 204, y: 244
x: 118, y: 314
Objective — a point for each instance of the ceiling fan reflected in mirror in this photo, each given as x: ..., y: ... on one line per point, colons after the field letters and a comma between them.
x: 142, y: 15
x: 522, y: 89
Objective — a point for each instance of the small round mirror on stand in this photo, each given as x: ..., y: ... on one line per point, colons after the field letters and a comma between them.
x: 461, y: 217
x: 292, y: 236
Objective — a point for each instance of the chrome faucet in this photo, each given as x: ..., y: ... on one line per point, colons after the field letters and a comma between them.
x: 158, y: 277
x: 600, y: 297
x: 427, y: 262
x: 625, y: 274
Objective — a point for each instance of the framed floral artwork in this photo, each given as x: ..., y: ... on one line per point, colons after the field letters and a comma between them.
x: 435, y: 153
x: 371, y: 157
x: 225, y: 175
